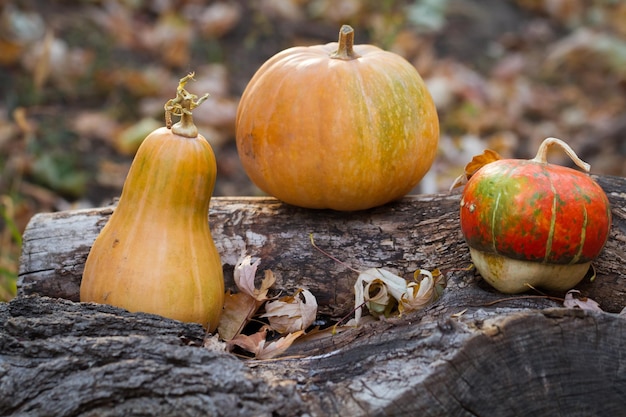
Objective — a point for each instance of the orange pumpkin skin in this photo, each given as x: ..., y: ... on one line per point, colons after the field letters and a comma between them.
x: 156, y: 253
x: 317, y: 131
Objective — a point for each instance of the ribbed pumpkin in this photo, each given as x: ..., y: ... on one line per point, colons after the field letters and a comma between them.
x: 534, y: 223
x: 156, y: 253
x: 338, y: 126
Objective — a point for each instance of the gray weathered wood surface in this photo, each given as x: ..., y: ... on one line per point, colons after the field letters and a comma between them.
x: 416, y: 232
x: 473, y: 353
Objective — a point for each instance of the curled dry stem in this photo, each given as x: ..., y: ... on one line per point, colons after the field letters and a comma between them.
x: 182, y: 106
x: 542, y: 153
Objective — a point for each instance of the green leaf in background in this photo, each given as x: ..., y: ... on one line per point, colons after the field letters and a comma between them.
x: 9, y: 253
x: 428, y: 15
x: 60, y: 173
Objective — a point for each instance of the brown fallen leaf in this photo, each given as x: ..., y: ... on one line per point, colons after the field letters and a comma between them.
x: 258, y: 346
x: 478, y: 161
x: 292, y: 313
x: 418, y: 294
x: 384, y: 293
x: 244, y: 274
x: 278, y: 347
x: 251, y: 343
x: 241, y: 307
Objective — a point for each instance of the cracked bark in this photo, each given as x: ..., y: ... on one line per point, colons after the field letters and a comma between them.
x: 475, y: 352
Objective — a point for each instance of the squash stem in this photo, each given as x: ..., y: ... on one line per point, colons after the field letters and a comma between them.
x: 182, y: 105
x: 345, y: 49
x: 542, y: 153
x: 185, y: 126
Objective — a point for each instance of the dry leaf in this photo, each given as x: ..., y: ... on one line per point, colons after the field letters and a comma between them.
x: 418, y: 294
x: 382, y: 291
x: 478, y: 161
x: 286, y: 315
x: 292, y: 313
x: 213, y: 342
x: 378, y: 300
x: 251, y: 343
x: 379, y: 290
x: 238, y: 310
x: 244, y: 274
x: 241, y: 307
x: 218, y: 19
x: 440, y: 283
x: 279, y: 346
x: 258, y: 346
x: 583, y: 302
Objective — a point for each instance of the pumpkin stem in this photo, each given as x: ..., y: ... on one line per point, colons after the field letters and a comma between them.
x: 542, y: 153
x: 182, y: 105
x: 345, y: 49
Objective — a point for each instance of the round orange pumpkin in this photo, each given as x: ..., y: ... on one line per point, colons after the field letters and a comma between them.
x: 339, y: 126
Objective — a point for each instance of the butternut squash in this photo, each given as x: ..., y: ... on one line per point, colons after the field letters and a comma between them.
x: 156, y: 253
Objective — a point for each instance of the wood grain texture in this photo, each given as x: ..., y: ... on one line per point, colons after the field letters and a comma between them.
x: 60, y: 358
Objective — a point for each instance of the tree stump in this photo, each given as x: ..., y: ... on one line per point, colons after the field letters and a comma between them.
x: 475, y: 352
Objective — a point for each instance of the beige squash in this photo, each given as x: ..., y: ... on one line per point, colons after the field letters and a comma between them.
x: 156, y: 253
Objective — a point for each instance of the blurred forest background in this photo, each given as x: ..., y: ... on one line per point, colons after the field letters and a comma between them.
x: 82, y: 82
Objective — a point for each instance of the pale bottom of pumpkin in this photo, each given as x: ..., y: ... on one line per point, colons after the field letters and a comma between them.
x: 514, y: 276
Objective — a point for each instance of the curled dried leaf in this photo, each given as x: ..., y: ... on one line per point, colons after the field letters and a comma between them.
x: 241, y: 307
x: 292, y: 313
x: 382, y: 292
x: 278, y: 347
x: 478, y: 161
x: 378, y: 300
x: 585, y: 303
x: 379, y: 290
x: 244, y: 274
x: 440, y: 283
x: 258, y: 346
x: 418, y: 294
x: 251, y: 343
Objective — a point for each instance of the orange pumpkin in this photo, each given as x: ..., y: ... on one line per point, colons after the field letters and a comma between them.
x: 338, y: 126
x: 156, y: 253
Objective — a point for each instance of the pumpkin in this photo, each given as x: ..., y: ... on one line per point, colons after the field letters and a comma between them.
x: 339, y: 126
x: 156, y: 253
x: 531, y: 223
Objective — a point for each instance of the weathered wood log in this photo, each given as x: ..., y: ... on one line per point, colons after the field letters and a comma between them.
x: 419, y: 232
x: 475, y: 352
x: 416, y: 232
x: 60, y: 358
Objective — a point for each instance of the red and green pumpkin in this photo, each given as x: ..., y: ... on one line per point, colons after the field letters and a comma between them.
x: 531, y: 223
